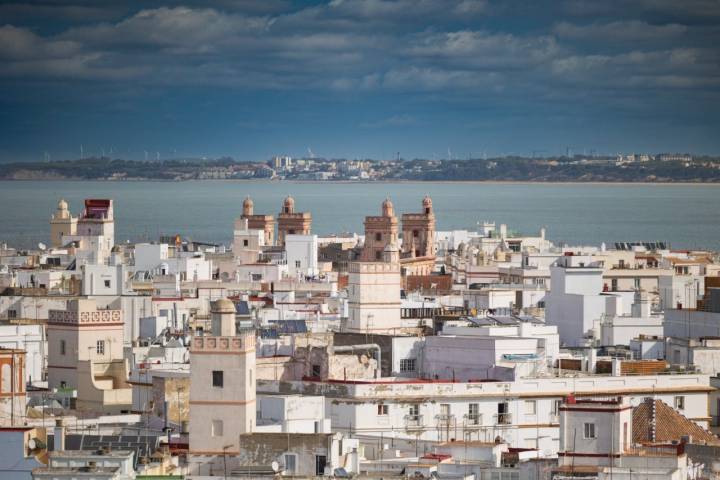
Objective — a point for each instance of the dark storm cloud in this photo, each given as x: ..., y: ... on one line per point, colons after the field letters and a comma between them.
x: 492, y: 55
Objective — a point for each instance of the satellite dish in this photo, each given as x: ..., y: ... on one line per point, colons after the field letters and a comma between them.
x: 275, y: 466
x: 42, y: 246
x: 32, y: 444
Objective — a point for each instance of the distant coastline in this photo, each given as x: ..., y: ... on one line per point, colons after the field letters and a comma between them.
x: 710, y: 182
x: 663, y: 169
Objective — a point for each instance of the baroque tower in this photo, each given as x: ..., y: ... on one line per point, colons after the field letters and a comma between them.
x: 380, y: 231
x: 291, y: 222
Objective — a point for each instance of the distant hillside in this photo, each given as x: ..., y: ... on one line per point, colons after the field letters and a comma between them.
x: 548, y: 169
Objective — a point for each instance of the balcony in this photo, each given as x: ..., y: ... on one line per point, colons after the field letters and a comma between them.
x: 413, y: 421
x: 445, y: 420
x: 472, y: 419
x: 503, y: 419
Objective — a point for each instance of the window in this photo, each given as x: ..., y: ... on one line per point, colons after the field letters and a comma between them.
x: 416, y: 233
x: 473, y: 414
x: 297, y: 263
x: 12, y: 313
x: 556, y: 407
x: 589, y: 430
x: 378, y: 255
x: 680, y: 403
x: 414, y: 410
x: 62, y: 347
x: 245, y: 243
x: 614, y: 284
x: 100, y: 347
x: 407, y: 365
x: 530, y: 407
x: 382, y: 409
x: 107, y: 283
x: 378, y: 236
x: 290, y: 463
x: 217, y: 378
x: 217, y: 428
x: 315, y: 371
x: 637, y: 283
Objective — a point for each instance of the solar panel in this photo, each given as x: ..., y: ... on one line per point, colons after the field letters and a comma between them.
x: 142, y: 445
x: 505, y: 320
x: 290, y: 326
x: 268, y: 333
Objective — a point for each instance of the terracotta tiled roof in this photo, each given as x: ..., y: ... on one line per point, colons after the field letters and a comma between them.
x: 654, y: 421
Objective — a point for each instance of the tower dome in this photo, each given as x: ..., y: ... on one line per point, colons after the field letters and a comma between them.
x: 223, y: 305
x: 248, y: 206
x: 289, y: 205
x: 62, y: 210
x: 427, y: 204
x: 387, y: 208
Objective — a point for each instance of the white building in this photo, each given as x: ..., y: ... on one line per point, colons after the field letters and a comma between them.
x: 525, y: 412
x: 622, y: 329
x: 30, y: 338
x: 302, y: 255
x: 575, y: 303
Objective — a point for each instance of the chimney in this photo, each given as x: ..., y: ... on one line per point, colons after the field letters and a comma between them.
x: 59, y: 435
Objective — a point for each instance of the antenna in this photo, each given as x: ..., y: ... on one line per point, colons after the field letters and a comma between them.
x: 82, y: 152
x: 449, y: 154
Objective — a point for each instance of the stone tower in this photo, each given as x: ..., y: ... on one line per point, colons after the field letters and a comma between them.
x: 374, y: 294
x: 291, y: 222
x: 419, y: 232
x: 380, y: 231
x: 61, y: 223
x: 222, y: 388
x: 266, y: 223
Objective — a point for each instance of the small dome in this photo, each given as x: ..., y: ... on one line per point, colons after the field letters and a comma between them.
x: 62, y: 204
x: 248, y: 206
x: 289, y: 204
x: 387, y: 208
x: 223, y: 306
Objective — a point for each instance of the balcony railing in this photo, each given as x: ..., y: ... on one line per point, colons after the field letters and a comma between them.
x: 413, y: 421
x: 445, y: 419
x: 503, y: 419
x: 473, y: 419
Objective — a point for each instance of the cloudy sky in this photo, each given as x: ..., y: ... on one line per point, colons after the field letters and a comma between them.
x: 351, y: 78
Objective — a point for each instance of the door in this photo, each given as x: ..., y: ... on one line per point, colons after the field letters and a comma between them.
x: 320, y: 462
